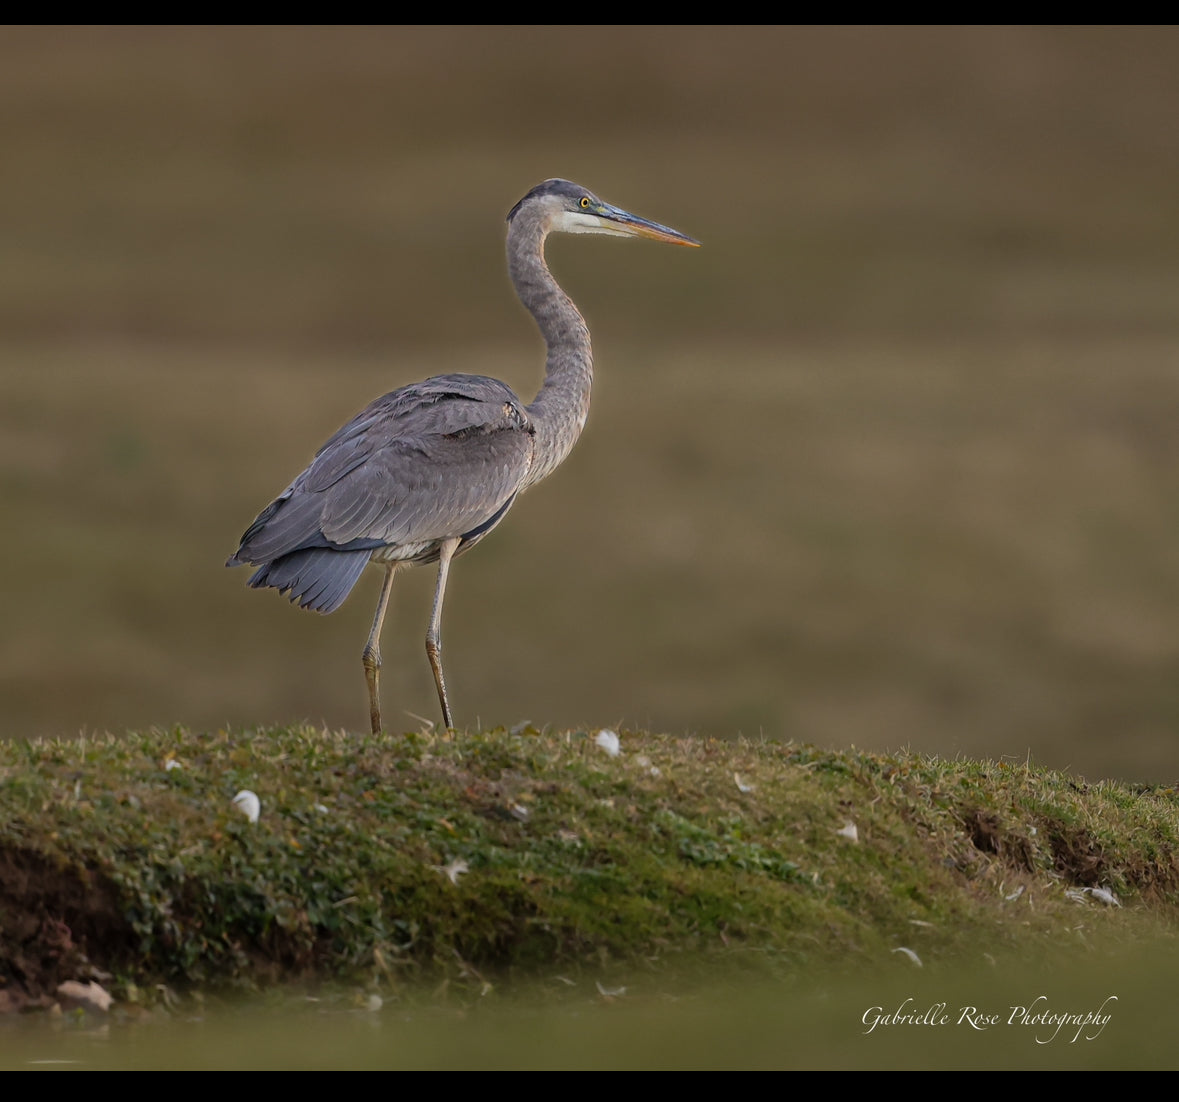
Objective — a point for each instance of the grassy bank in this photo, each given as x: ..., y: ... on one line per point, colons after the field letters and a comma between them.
x: 476, y: 858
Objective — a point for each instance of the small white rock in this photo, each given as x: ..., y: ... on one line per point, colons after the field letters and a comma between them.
x: 608, y: 741
x: 171, y: 764
x: 90, y: 995
x: 848, y: 831
x: 248, y: 804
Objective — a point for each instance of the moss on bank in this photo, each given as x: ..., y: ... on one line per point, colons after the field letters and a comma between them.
x: 426, y: 855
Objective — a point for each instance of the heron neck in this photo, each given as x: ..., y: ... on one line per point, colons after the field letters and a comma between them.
x: 559, y: 411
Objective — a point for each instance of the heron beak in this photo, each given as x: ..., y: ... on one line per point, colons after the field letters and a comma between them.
x: 615, y: 220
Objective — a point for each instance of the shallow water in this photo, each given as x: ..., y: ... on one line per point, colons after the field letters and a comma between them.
x: 902, y: 1016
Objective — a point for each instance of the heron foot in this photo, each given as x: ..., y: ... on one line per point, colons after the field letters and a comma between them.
x: 434, y: 653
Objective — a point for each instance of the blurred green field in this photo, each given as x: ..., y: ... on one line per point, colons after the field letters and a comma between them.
x: 889, y: 462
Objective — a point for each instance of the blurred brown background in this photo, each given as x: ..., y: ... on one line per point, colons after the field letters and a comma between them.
x: 891, y: 461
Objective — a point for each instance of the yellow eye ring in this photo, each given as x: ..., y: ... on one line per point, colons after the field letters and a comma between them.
x: 584, y: 202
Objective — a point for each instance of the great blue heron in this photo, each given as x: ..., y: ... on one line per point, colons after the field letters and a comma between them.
x: 426, y: 471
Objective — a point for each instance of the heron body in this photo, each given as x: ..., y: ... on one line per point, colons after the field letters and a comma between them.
x: 425, y: 472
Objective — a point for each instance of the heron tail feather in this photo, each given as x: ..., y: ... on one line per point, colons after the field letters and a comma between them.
x: 317, y: 578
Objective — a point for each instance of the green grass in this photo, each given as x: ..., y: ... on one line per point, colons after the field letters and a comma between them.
x: 398, y: 862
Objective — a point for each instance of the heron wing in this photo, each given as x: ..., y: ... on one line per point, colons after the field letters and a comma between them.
x: 430, y: 461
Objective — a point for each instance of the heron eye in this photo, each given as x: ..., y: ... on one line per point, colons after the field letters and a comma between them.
x: 584, y: 202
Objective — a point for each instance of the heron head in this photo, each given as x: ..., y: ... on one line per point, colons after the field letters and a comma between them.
x: 561, y: 206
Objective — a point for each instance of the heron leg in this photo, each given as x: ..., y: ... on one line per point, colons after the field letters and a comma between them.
x: 434, y: 634
x: 372, y: 650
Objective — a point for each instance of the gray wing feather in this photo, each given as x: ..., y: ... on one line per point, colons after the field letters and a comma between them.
x: 428, y: 462
x: 441, y: 487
